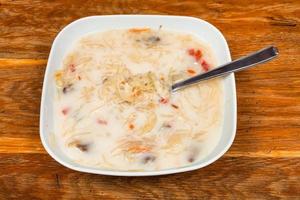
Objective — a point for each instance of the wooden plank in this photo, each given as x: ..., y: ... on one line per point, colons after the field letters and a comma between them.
x: 20, y: 92
x: 30, y: 176
x: 14, y: 145
x: 17, y: 145
x: 28, y: 29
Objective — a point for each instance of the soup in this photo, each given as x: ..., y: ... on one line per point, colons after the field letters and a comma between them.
x: 113, y: 105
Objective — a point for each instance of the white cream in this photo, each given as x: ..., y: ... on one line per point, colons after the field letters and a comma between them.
x: 113, y: 108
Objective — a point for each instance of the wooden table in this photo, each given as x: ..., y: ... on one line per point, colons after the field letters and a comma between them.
x: 264, y: 161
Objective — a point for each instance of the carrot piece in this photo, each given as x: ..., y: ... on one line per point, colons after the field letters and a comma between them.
x: 174, y: 106
x: 138, y: 149
x: 191, y: 71
x: 131, y: 126
x: 138, y: 30
x: 163, y: 100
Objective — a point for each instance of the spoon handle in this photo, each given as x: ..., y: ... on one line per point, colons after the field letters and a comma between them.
x: 250, y: 60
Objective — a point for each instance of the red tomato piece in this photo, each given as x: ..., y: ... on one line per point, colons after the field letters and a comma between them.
x: 198, y: 55
x: 205, y: 65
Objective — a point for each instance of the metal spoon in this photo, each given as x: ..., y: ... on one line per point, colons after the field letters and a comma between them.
x: 250, y: 60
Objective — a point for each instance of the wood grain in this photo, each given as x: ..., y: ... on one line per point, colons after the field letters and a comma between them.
x: 27, y: 29
x: 263, y: 162
x: 20, y: 92
x: 230, y: 178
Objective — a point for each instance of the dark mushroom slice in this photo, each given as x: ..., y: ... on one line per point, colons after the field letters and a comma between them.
x: 66, y: 89
x: 153, y: 39
x: 193, y: 154
x: 82, y: 146
x: 148, y: 159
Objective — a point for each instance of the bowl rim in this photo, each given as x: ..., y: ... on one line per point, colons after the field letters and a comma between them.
x: 48, y: 147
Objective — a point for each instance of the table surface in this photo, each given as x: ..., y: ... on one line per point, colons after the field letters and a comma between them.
x: 264, y: 161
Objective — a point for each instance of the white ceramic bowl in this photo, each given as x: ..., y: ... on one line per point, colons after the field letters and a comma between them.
x: 64, y: 40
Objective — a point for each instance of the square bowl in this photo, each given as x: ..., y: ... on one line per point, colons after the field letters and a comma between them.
x: 72, y: 32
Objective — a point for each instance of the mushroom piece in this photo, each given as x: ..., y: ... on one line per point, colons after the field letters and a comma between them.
x: 193, y: 153
x: 149, y: 158
x: 82, y: 146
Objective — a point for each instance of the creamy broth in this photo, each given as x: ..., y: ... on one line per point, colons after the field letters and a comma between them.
x: 113, y: 107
